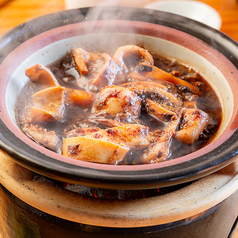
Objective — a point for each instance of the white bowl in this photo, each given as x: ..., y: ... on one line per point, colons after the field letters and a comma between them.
x: 195, y: 10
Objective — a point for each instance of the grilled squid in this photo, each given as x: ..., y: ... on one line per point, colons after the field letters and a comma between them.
x: 117, y: 102
x: 160, y: 149
x: 143, y: 88
x: 42, y: 76
x: 147, y: 71
x: 96, y: 70
x: 107, y: 146
x: 158, y: 111
x: 192, y: 125
x: 129, y: 56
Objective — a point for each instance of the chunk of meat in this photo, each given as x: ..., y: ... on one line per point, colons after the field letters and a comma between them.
x: 97, y: 70
x: 127, y: 57
x: 93, y: 150
x: 193, y: 123
x: 42, y: 136
x: 48, y: 105
x: 41, y: 75
x: 80, y: 98
x: 160, y: 149
x: 143, y: 89
x: 116, y: 101
x: 158, y: 111
x: 152, y: 72
x: 130, y: 136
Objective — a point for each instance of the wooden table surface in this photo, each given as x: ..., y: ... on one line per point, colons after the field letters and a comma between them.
x: 15, y: 12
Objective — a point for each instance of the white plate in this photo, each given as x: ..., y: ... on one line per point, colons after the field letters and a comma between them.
x: 195, y: 10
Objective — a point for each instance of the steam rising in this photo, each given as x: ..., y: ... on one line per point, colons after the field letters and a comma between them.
x: 90, y: 3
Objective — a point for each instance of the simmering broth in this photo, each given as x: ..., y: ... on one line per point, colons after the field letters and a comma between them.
x: 134, y: 114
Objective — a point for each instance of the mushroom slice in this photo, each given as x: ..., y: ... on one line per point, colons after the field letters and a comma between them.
x: 41, y: 75
x: 144, y: 88
x: 128, y: 56
x: 158, y: 111
x: 93, y: 150
x: 116, y: 101
x: 152, y: 72
x: 97, y: 70
x: 130, y: 136
x: 48, y: 105
x: 42, y: 136
x: 193, y: 123
x: 79, y: 98
x: 160, y: 150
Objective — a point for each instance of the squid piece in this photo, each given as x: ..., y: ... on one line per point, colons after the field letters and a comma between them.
x: 158, y: 111
x: 193, y: 123
x: 97, y: 70
x: 107, y: 122
x: 48, y: 105
x: 80, y: 98
x: 127, y: 57
x: 143, y: 71
x: 129, y: 136
x: 142, y: 88
x: 190, y: 104
x: 41, y: 75
x: 80, y: 132
x: 145, y: 86
x: 160, y: 150
x: 93, y: 150
x: 116, y: 101
x: 81, y: 59
x: 39, y: 134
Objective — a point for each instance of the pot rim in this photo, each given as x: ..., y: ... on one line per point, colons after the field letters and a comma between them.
x: 110, y: 176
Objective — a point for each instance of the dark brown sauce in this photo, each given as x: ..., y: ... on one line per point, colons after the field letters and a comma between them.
x: 66, y: 75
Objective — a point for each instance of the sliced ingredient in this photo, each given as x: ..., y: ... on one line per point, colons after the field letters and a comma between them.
x: 48, y: 105
x: 93, y: 150
x: 130, y: 136
x: 152, y: 89
x: 192, y: 125
x: 106, y: 122
x: 129, y: 56
x: 80, y: 132
x: 160, y: 149
x: 158, y: 111
x: 80, y: 98
x: 41, y: 75
x: 149, y: 71
x: 97, y: 70
x: 49, y: 139
x: 116, y: 101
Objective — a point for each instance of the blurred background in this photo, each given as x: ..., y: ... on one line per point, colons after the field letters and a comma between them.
x: 15, y: 12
